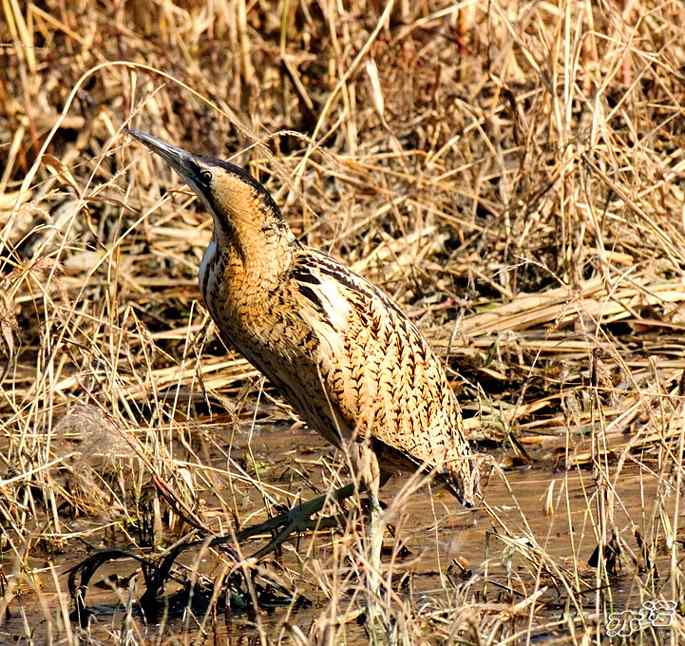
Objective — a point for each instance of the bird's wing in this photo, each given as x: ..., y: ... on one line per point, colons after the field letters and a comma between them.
x: 376, y: 367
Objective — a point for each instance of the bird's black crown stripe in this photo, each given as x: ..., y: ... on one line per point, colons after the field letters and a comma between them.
x: 247, y: 178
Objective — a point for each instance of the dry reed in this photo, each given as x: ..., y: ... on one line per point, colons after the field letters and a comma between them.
x: 510, y: 171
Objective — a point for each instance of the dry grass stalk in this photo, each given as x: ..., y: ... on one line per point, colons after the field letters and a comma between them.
x: 510, y: 171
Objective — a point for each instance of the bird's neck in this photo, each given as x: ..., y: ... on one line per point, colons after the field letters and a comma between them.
x: 250, y: 230
x: 249, y: 260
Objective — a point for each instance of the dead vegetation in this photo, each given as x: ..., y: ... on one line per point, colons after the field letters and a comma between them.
x: 511, y: 172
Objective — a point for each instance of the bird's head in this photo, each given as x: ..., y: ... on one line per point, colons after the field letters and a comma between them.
x: 242, y: 209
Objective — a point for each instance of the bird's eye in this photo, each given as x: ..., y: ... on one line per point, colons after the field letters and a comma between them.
x: 206, y: 176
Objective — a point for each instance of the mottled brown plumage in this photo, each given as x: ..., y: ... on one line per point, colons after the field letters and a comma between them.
x: 346, y: 357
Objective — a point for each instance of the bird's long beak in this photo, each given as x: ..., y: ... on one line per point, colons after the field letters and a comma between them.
x: 184, y: 163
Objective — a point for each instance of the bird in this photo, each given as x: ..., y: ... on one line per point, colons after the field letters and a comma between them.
x: 339, y: 349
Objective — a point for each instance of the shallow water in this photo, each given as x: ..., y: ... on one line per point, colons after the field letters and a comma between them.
x: 532, y: 510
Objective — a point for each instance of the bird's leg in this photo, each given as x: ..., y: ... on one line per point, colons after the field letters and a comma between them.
x: 369, y: 470
x: 298, y: 519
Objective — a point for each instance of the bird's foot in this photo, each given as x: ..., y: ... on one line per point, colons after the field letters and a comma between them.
x: 298, y: 519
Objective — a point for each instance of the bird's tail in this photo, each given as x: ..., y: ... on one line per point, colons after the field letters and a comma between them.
x: 466, y: 477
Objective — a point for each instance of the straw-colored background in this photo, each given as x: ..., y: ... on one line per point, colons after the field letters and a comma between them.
x: 511, y: 172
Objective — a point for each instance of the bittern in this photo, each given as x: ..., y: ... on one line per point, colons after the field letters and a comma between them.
x: 339, y: 349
